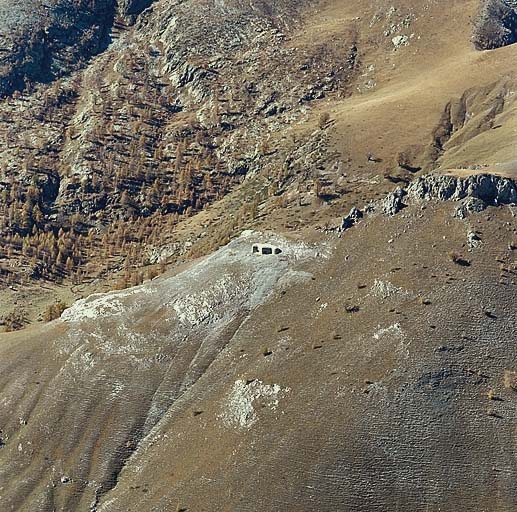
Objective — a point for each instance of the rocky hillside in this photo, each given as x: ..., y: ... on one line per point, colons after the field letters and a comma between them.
x: 496, y: 24
x: 123, y: 122
x: 44, y: 41
x: 153, y: 129
x: 158, y: 363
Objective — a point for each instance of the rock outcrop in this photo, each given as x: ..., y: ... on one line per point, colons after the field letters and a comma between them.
x: 351, y: 219
x: 132, y: 8
x: 43, y: 41
x: 489, y: 188
x: 476, y: 193
x: 496, y: 25
x: 392, y: 203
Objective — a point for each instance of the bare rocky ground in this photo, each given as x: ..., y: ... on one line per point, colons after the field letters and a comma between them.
x: 370, y: 366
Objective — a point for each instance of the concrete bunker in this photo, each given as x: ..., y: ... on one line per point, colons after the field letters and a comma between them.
x: 266, y: 249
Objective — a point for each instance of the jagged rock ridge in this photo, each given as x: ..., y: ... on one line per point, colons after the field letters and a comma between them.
x: 477, y: 193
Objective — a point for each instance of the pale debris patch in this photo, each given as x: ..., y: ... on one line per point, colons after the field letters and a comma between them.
x: 82, y: 361
x: 193, y: 309
x: 239, y: 411
x: 117, y: 389
x: 324, y: 306
x: 100, y: 305
x: 385, y: 289
x: 400, y: 40
x: 394, y: 332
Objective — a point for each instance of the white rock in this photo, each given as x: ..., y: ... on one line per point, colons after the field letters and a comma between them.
x: 399, y: 41
x: 239, y: 411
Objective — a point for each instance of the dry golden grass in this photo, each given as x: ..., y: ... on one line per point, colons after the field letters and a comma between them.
x: 510, y: 379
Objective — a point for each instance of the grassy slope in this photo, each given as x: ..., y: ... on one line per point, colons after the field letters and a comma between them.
x: 388, y: 408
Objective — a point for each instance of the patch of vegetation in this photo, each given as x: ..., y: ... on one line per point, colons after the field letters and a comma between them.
x: 323, y: 120
x: 266, y: 352
x: 14, y: 321
x: 54, y: 311
x: 510, y: 379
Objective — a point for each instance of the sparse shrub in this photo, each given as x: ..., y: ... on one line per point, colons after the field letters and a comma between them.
x: 491, y: 412
x: 491, y: 395
x: 14, y: 321
x: 490, y: 315
x: 152, y: 273
x: 453, y: 256
x: 54, y: 311
x: 458, y: 259
x: 121, y: 284
x: 266, y: 352
x: 323, y: 120
x: 510, y: 379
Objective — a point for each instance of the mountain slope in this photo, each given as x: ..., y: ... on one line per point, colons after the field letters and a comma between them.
x: 297, y: 381
x: 267, y: 103
x: 370, y: 366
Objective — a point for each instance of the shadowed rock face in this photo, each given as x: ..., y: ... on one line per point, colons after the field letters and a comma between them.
x: 133, y: 7
x: 42, y: 41
x: 496, y: 25
x: 45, y: 40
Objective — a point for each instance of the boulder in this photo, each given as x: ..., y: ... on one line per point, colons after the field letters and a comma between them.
x: 351, y: 219
x: 392, y: 203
